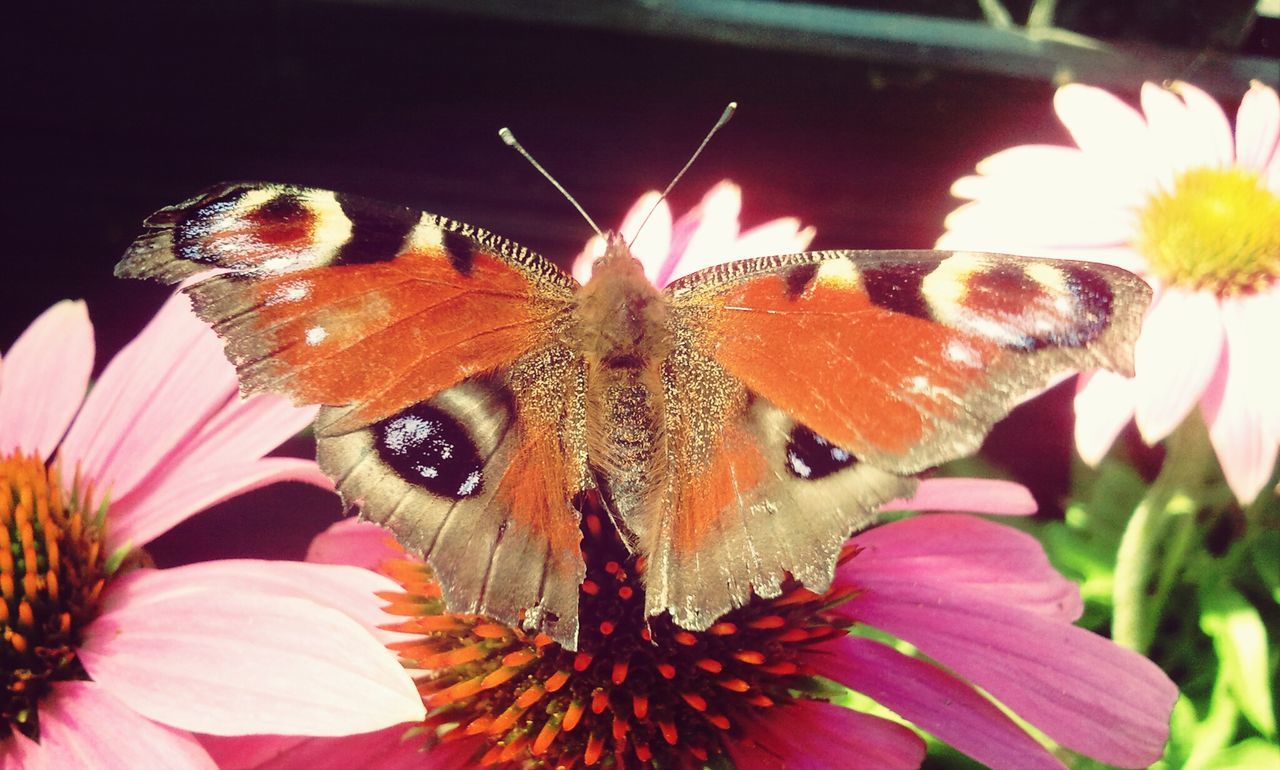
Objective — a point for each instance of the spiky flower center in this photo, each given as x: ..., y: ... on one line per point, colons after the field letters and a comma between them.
x: 635, y: 694
x: 51, y: 576
x: 1215, y: 229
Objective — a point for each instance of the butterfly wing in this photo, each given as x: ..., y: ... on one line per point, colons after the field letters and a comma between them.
x: 834, y: 377
x: 452, y: 409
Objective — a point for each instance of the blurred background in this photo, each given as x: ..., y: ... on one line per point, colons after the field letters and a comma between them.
x: 854, y: 116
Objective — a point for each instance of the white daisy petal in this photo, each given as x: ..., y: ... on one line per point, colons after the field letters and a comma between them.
x: 1257, y: 127
x: 1175, y: 358
x: 1100, y: 122
x: 1241, y: 418
x: 1171, y: 145
x: 1104, y: 405
x: 1209, y: 126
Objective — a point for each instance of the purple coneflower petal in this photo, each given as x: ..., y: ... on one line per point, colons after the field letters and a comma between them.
x: 43, y: 378
x: 952, y: 559
x: 994, y: 496
x: 82, y: 726
x: 1082, y: 690
x: 809, y: 734
x: 153, y: 396
x: 260, y: 662
x: 355, y: 542
x: 934, y: 700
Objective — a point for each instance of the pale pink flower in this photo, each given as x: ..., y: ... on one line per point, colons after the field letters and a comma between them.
x: 111, y: 663
x: 977, y: 597
x: 706, y: 235
x: 1174, y: 195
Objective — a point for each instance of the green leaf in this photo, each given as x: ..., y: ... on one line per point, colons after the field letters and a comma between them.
x: 1240, y: 640
x: 1266, y: 560
x: 1216, y: 730
x: 1250, y: 754
x: 1183, y: 723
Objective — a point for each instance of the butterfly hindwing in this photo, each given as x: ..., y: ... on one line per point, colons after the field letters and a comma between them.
x: 832, y: 377
x: 481, y: 485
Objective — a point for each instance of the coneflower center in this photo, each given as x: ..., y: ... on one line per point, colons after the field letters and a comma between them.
x: 1216, y: 230
x: 638, y: 693
x: 51, y: 576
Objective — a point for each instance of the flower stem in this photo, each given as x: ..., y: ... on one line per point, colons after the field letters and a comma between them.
x: 1172, y: 501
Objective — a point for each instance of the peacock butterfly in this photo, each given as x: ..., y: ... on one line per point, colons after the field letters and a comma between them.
x: 739, y: 424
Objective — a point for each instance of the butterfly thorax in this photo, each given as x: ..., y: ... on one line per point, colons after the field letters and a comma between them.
x: 622, y: 328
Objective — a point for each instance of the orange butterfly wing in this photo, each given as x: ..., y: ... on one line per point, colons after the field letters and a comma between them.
x: 834, y: 376
x: 453, y: 410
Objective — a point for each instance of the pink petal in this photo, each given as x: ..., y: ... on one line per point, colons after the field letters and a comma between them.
x: 651, y: 248
x: 82, y: 726
x: 779, y: 236
x: 971, y: 495
x: 153, y: 397
x: 654, y: 242
x: 260, y: 662
x: 1175, y: 357
x: 1082, y: 690
x: 350, y: 590
x: 1100, y: 123
x: 355, y: 542
x: 704, y: 237
x: 1243, y: 422
x: 44, y: 378
x: 1104, y: 405
x: 19, y: 752
x: 1257, y: 127
x: 394, y: 748
x: 933, y: 700
x: 156, y: 507
x: 939, y: 557
x: 1208, y: 125
x: 581, y: 270
x: 811, y: 735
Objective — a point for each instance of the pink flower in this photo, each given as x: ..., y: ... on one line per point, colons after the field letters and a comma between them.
x: 109, y: 663
x: 977, y: 597
x: 705, y: 236
x: 1173, y: 195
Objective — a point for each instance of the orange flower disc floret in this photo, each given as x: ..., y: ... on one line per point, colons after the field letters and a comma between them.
x: 635, y: 694
x: 51, y: 576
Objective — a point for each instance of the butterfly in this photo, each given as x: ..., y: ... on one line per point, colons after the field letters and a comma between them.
x: 738, y: 425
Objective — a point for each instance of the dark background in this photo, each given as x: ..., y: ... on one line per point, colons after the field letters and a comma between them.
x: 111, y: 114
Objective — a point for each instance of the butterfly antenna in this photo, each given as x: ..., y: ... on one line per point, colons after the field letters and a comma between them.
x: 510, y: 140
x: 724, y: 118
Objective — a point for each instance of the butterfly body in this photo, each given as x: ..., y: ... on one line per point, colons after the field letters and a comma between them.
x: 739, y: 424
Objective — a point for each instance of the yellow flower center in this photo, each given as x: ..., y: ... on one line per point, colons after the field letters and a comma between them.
x: 52, y: 571
x: 1217, y: 229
